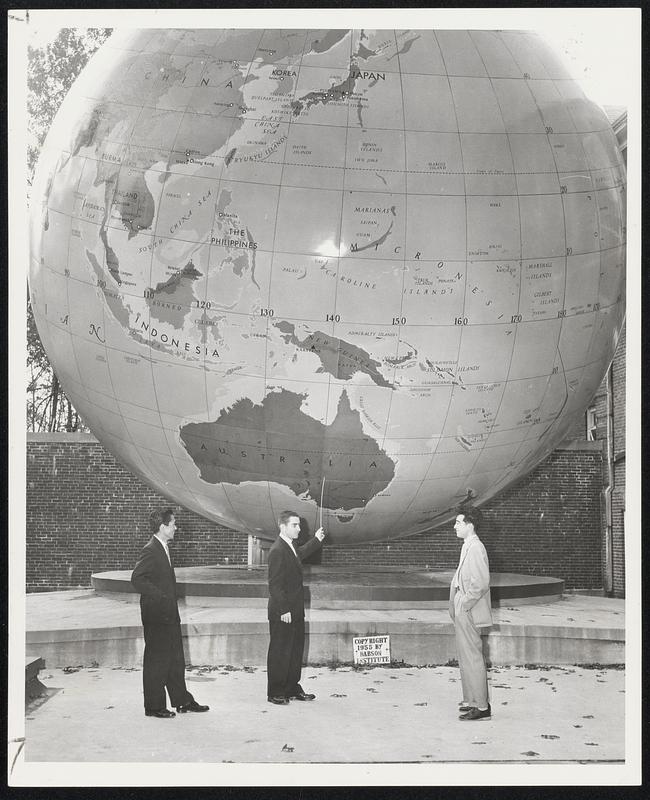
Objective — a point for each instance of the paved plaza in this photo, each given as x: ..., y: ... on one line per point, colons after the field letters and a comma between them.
x: 361, y: 715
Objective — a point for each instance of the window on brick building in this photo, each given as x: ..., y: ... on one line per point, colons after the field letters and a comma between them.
x: 591, y: 424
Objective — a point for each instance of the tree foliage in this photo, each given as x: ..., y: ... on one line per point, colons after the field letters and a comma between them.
x: 51, y: 71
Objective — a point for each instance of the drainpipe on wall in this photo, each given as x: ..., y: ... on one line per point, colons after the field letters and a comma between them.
x: 608, y: 577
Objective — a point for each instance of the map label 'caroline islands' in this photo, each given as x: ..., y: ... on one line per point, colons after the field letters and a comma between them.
x: 276, y: 441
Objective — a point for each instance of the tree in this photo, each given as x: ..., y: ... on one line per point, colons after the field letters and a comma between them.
x: 51, y: 71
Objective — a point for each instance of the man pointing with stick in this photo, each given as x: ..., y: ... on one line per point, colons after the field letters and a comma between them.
x: 286, y: 611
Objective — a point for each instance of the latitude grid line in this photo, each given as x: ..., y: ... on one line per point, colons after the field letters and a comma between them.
x: 229, y: 312
x: 304, y: 451
x: 290, y: 121
x: 292, y: 380
x: 188, y: 459
x: 565, y: 79
x: 375, y: 258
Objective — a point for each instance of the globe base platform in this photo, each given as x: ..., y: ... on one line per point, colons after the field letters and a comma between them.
x: 339, y: 587
x: 87, y: 626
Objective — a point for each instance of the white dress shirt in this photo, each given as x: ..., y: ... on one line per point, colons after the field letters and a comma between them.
x: 164, y: 544
x: 290, y: 543
x: 463, y: 550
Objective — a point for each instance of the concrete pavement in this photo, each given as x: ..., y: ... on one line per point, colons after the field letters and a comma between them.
x: 361, y: 715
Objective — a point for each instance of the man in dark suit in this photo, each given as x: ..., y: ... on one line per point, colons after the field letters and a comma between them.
x: 164, y: 660
x: 286, y: 611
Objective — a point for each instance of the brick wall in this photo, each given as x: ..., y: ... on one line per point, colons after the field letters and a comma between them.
x: 618, y: 492
x: 549, y: 523
x: 86, y: 513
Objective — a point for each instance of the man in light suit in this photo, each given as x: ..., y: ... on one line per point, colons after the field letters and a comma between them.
x: 164, y: 660
x: 470, y: 608
x: 286, y: 611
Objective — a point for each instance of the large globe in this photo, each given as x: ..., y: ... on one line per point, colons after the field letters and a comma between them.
x: 362, y: 275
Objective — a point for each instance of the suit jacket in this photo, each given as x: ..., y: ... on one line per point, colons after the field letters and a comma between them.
x: 286, y: 591
x: 154, y: 578
x: 473, y: 577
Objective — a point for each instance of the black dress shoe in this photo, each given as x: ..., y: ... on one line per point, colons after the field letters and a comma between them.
x: 475, y: 714
x: 279, y: 701
x: 302, y: 696
x: 191, y: 706
x: 161, y: 713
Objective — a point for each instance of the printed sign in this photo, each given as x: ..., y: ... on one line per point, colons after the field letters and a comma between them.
x: 371, y: 649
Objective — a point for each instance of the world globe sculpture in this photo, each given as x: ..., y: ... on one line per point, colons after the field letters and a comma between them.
x: 362, y: 275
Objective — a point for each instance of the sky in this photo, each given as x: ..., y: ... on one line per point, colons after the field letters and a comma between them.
x: 598, y: 46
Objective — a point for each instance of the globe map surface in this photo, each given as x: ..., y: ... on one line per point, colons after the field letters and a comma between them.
x: 361, y: 275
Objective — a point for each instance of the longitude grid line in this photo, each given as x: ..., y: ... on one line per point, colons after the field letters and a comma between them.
x: 272, y: 252
x: 351, y: 34
x: 460, y: 338
x: 559, y: 336
x: 67, y: 289
x: 579, y: 139
x: 104, y: 226
x: 250, y: 62
x: 209, y: 62
x: 505, y: 382
x: 152, y: 360
x: 595, y: 193
x: 404, y: 259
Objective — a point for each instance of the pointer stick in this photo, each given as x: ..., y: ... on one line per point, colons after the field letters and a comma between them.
x: 322, y: 489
